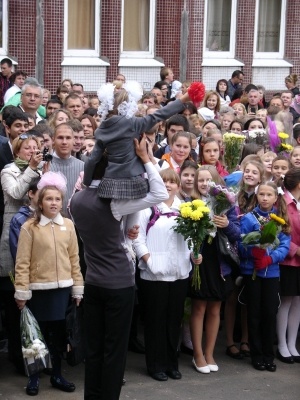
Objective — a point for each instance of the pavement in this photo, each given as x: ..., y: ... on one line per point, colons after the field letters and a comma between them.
x: 235, y: 380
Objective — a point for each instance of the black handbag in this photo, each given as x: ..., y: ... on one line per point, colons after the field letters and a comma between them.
x: 229, y: 251
x: 75, y: 339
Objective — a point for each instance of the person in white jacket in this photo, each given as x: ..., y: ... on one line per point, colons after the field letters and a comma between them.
x: 164, y: 262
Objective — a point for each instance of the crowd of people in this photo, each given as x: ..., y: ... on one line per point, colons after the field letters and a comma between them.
x: 91, y: 191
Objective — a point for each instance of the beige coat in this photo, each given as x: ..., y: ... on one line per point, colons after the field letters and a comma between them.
x: 47, y: 257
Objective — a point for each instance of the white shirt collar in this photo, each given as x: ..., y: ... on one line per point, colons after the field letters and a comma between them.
x: 294, y: 200
x: 57, y: 220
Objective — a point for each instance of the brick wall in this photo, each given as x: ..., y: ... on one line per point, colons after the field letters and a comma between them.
x: 245, y: 36
x: 53, y: 14
x: 111, y: 34
x: 168, y: 23
x: 292, y: 49
x: 195, y: 43
x: 22, y: 34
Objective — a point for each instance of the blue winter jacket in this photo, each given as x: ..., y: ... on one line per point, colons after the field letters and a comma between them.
x: 15, y: 226
x: 249, y: 224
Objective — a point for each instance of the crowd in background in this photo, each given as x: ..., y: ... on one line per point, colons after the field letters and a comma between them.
x: 182, y: 150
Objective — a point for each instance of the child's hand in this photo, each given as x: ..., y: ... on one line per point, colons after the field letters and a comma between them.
x: 258, y: 253
x: 133, y: 232
x: 141, y: 149
x: 197, y: 260
x: 20, y: 303
x: 46, y: 167
x: 221, y: 221
x: 261, y: 263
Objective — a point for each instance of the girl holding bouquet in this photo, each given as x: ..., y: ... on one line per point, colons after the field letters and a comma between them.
x: 216, y: 282
x: 251, y: 177
x: 288, y: 317
x: 164, y: 261
x: 260, y: 269
x: 47, y: 271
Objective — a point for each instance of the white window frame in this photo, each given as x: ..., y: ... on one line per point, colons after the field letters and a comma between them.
x: 141, y: 54
x: 82, y: 52
x: 3, y: 49
x: 271, y: 55
x: 222, y: 54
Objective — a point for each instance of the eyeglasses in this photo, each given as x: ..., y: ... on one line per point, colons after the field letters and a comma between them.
x: 25, y: 136
x: 30, y: 95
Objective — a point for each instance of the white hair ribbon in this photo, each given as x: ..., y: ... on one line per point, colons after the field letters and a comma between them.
x: 282, y: 176
x: 280, y: 191
x: 256, y: 189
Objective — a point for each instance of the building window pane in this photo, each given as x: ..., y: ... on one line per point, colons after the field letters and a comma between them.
x: 81, y: 24
x: 136, y: 25
x: 268, y: 31
x: 218, y: 25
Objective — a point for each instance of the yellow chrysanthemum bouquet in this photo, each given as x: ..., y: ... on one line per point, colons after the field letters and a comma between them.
x: 233, y: 147
x: 193, y: 224
x: 283, y: 148
x: 267, y: 236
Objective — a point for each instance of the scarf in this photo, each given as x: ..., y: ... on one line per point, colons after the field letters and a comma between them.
x: 219, y: 167
x: 21, y: 164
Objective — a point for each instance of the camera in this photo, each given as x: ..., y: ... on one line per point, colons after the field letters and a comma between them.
x: 46, y: 155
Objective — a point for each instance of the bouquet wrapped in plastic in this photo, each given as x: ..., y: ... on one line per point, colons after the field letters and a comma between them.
x: 233, y: 148
x: 35, y: 352
x: 224, y: 198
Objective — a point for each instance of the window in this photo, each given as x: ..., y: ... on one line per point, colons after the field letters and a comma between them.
x: 82, y: 28
x: 137, y: 35
x: 219, y: 28
x: 270, y: 21
x: 3, y: 27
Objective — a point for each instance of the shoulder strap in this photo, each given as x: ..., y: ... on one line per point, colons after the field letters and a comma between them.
x: 155, y: 214
x: 256, y: 215
x: 153, y: 218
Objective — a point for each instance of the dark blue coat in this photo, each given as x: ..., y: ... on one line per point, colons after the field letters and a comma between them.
x: 15, y: 226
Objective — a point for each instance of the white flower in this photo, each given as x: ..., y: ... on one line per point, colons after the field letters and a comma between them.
x: 252, y: 134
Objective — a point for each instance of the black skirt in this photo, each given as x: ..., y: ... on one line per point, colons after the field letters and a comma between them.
x: 289, y: 280
x: 49, y: 305
x: 213, y: 286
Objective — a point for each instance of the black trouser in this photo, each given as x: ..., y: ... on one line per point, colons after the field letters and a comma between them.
x: 12, y: 317
x: 164, y: 305
x: 107, y: 319
x: 54, y: 333
x: 262, y: 306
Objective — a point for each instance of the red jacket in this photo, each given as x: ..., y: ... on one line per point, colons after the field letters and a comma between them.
x: 292, y: 259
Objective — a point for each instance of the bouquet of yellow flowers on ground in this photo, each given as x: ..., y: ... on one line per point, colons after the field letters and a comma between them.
x: 283, y: 148
x: 193, y: 224
x: 233, y: 146
x: 267, y: 236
